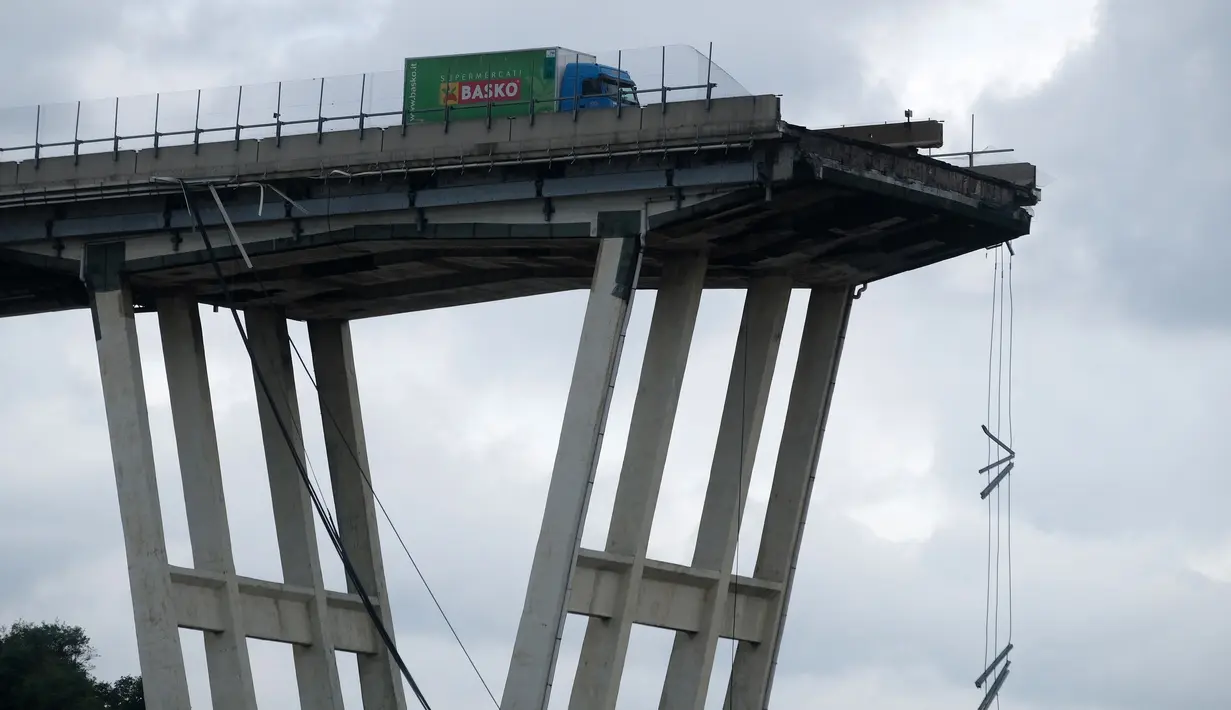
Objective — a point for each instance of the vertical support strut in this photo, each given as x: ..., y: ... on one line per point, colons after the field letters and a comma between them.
x: 528, y: 685
x: 132, y: 453
x: 333, y: 360
x: 752, y: 370
x: 226, y: 651
x: 316, y: 668
x: 597, y: 682
x: 803, y: 432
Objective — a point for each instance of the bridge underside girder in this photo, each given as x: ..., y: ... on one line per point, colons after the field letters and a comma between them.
x: 817, y: 232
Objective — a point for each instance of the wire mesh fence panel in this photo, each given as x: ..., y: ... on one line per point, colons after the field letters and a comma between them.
x: 301, y: 105
x: 96, y: 129
x: 56, y: 129
x: 217, y: 116
x: 672, y: 73
x: 177, y: 117
x: 135, y: 120
x: 18, y: 127
x: 383, y: 101
x: 724, y: 84
x: 342, y: 99
x: 257, y: 105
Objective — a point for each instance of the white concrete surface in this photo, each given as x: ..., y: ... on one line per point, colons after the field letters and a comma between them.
x: 528, y: 685
x: 616, y: 587
x: 158, y: 639
x: 333, y: 360
x: 597, y: 682
x: 619, y: 586
x: 226, y: 646
x: 316, y: 668
x: 739, y: 432
x: 272, y: 611
x: 816, y: 372
x: 210, y: 597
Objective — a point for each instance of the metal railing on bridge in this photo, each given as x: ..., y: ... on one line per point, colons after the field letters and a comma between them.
x: 271, y: 110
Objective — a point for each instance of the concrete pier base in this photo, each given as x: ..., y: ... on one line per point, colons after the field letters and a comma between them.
x: 149, y: 575
x: 615, y: 588
x: 210, y: 596
x: 620, y: 586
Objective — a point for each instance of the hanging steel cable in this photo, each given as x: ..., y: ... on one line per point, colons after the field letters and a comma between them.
x: 326, y: 521
x: 998, y: 471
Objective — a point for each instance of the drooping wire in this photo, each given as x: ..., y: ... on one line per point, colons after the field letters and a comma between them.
x: 330, y: 529
x: 308, y: 459
x: 367, y: 480
x: 999, y: 408
x: 1009, y: 479
x: 998, y: 353
x: 991, y: 345
x: 328, y: 413
x: 312, y: 470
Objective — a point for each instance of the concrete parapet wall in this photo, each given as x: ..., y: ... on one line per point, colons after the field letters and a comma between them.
x: 544, y: 136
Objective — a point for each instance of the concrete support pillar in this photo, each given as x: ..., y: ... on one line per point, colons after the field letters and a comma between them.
x: 752, y: 370
x: 528, y: 685
x: 380, y: 679
x: 226, y: 651
x: 816, y: 372
x: 316, y: 668
x: 597, y: 683
x: 119, y: 361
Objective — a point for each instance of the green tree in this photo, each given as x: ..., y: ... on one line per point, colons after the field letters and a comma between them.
x: 46, y: 666
x: 124, y: 694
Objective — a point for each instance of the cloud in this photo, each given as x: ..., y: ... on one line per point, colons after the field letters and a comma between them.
x: 1130, y: 132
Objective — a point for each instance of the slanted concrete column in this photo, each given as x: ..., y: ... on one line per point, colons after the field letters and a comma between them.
x: 333, y: 360
x: 226, y: 651
x: 132, y: 452
x: 528, y: 685
x: 597, y: 682
x: 816, y: 372
x: 316, y: 668
x: 739, y: 432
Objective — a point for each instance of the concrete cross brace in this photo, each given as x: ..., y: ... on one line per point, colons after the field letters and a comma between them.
x: 271, y: 611
x: 670, y: 596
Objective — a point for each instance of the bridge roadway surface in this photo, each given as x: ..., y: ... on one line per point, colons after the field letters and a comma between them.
x: 391, y: 221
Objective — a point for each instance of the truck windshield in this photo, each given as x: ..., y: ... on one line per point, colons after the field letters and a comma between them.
x: 625, y: 91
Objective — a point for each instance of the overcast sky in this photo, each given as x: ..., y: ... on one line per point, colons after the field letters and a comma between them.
x: 1121, y: 547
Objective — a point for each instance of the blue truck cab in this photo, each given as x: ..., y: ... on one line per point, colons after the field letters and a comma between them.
x: 588, y: 85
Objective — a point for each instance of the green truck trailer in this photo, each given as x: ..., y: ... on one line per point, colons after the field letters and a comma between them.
x: 514, y: 83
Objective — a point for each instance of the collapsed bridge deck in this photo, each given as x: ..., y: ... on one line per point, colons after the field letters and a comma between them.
x: 384, y: 221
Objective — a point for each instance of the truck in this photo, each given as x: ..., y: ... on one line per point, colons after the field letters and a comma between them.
x: 512, y: 83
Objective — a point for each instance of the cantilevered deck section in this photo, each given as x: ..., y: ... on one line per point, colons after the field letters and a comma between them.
x: 353, y: 224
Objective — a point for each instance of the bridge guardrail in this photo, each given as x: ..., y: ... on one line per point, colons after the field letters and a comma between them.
x: 272, y: 110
